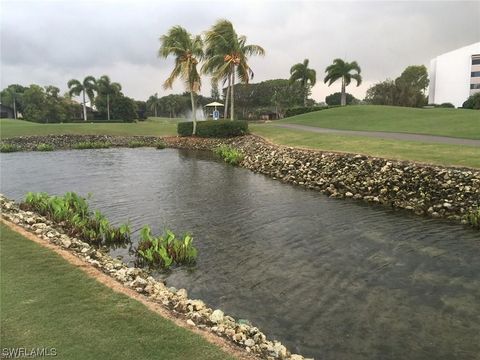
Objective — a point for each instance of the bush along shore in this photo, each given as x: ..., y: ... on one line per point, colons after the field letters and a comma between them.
x: 430, y: 190
x: 194, y: 312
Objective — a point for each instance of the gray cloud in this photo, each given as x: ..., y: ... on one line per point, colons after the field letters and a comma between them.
x: 49, y: 42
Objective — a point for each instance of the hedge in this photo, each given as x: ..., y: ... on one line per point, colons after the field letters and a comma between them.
x: 304, y: 110
x: 214, y: 128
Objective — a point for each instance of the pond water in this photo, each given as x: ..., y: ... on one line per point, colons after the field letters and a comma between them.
x: 333, y: 279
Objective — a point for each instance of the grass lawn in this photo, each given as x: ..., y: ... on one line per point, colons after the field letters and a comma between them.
x: 441, y: 154
x: 461, y: 123
x: 152, y: 126
x: 47, y: 302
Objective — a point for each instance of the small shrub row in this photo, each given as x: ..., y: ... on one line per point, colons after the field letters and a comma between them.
x: 73, y: 212
x: 136, y: 144
x: 473, y: 218
x: 8, y: 148
x: 44, y: 147
x: 229, y: 155
x: 91, y: 145
x: 165, y: 250
x: 160, y: 145
x: 304, y: 110
x: 214, y: 128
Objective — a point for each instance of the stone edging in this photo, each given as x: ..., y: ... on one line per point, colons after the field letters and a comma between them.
x: 193, y: 312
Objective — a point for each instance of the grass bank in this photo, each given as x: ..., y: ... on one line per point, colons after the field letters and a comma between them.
x: 461, y: 123
x: 441, y: 154
x: 47, y: 302
x: 152, y: 126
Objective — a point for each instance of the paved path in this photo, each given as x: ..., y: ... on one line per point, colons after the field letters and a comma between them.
x: 386, y: 135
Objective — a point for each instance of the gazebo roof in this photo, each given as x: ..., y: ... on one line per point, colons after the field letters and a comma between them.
x: 214, y: 104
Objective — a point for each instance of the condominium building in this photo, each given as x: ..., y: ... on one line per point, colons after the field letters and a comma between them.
x: 455, y: 75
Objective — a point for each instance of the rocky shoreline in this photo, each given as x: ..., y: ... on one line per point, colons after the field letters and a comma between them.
x: 429, y: 190
x: 194, y: 312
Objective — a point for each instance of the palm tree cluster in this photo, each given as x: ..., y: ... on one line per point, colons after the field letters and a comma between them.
x: 339, y: 70
x: 224, y: 54
x: 90, y: 85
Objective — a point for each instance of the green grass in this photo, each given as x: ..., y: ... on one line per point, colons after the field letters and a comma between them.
x: 447, y: 122
x: 152, y: 126
x: 441, y: 154
x: 47, y: 302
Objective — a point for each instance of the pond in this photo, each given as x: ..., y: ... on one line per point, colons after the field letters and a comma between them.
x: 334, y: 279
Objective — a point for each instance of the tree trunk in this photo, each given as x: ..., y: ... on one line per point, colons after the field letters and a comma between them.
x: 14, y: 108
x: 232, y: 100
x: 225, y: 109
x: 108, y: 107
x: 194, y: 115
x: 84, y: 107
x: 155, y: 110
x: 343, y: 101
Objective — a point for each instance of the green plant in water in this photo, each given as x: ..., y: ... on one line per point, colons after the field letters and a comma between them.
x: 165, y: 250
x: 229, y: 154
x: 161, y: 145
x: 473, y: 218
x: 73, y: 213
x: 91, y: 145
x: 7, y: 148
x: 44, y: 147
x: 136, y: 144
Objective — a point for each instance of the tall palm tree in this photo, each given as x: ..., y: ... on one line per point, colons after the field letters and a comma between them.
x: 106, y: 87
x: 343, y: 70
x: 226, y: 56
x: 86, y: 88
x: 188, y: 51
x: 307, y: 77
x: 153, y: 103
x: 13, y: 95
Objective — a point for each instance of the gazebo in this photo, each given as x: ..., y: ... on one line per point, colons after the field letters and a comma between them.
x: 215, y: 113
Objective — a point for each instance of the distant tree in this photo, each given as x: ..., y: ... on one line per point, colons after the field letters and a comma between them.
x: 12, y: 96
x: 411, y: 86
x: 336, y: 99
x: 153, y: 104
x: 86, y: 88
x: 307, y: 77
x: 124, y: 108
x: 187, y: 51
x: 107, y: 88
x: 382, y: 93
x: 215, y: 93
x: 34, y: 99
x: 473, y: 102
x: 141, y: 109
x: 345, y: 71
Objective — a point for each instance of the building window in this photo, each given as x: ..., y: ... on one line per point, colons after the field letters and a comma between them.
x: 475, y: 73
x: 476, y: 61
x: 474, y: 86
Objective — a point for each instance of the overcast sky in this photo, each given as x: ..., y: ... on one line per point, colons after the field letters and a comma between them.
x: 50, y: 42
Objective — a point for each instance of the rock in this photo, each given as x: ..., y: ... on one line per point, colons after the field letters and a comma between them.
x: 249, y: 342
x: 139, y: 282
x: 217, y: 316
x: 182, y: 293
x: 190, y: 322
x: 66, y: 243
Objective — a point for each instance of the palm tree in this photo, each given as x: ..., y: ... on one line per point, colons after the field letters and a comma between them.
x: 227, y: 54
x: 307, y: 77
x: 106, y: 87
x: 13, y: 94
x: 86, y: 88
x: 343, y: 70
x: 188, y: 51
x: 153, y: 103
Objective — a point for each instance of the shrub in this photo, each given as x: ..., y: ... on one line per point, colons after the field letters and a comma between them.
x: 44, y: 147
x: 304, y: 110
x: 473, y: 102
x: 214, y: 128
x: 446, y: 105
x: 161, y: 145
x: 77, y: 219
x: 165, y: 250
x: 136, y: 144
x: 91, y: 145
x: 7, y: 148
x: 336, y: 99
x: 473, y: 218
x: 229, y: 155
